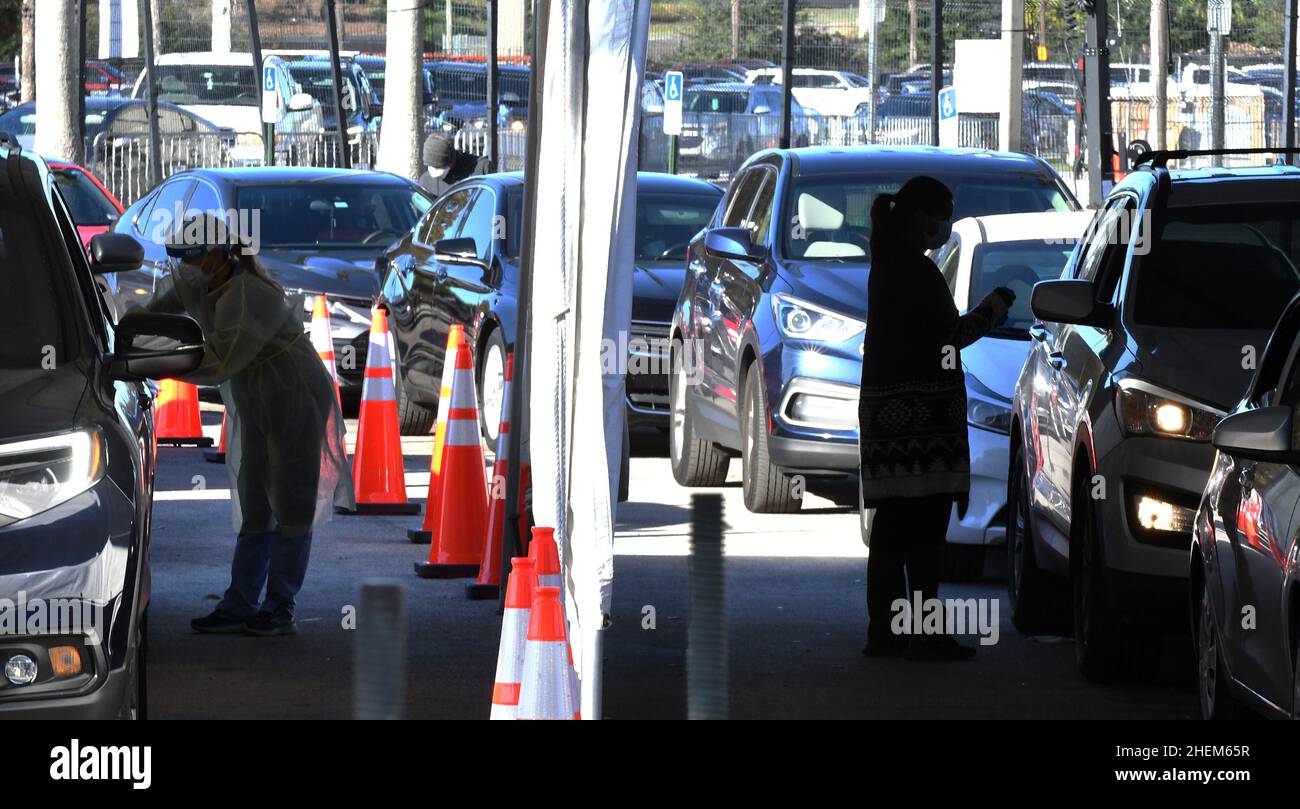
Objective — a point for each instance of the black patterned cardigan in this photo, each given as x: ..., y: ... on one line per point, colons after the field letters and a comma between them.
x: 912, y: 408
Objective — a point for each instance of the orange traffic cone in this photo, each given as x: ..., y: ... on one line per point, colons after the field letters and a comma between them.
x: 178, y: 422
x: 545, y: 690
x: 218, y: 455
x: 457, y: 544
x: 322, y: 339
x: 514, y: 636
x: 488, y: 584
x: 377, y: 473
x: 546, y: 554
x: 433, y: 503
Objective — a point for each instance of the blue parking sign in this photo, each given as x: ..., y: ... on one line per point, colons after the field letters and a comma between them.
x: 268, y: 79
x: 673, y: 86
x: 947, y: 103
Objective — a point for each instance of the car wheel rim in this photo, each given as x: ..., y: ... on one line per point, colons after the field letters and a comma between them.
x: 493, y: 390
x: 1208, y: 664
x: 677, y: 425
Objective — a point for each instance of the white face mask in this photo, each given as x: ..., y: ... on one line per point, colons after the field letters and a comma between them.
x: 190, y: 275
x: 437, y: 174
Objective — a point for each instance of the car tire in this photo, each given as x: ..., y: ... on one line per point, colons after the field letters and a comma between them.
x: 491, y: 386
x: 1099, y: 638
x: 412, y: 418
x: 695, y: 462
x: 135, y: 705
x: 1212, y: 689
x: 961, y: 563
x: 767, y: 488
x: 1037, y: 603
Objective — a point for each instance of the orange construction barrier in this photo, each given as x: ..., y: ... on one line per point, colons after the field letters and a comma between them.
x: 546, y: 554
x: 177, y: 422
x: 322, y: 339
x: 457, y: 545
x: 433, y: 503
x: 218, y: 455
x: 488, y: 584
x: 514, y: 636
x: 377, y: 473
x: 546, y: 688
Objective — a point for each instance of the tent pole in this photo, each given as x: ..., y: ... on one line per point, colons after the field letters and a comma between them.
x: 523, y: 367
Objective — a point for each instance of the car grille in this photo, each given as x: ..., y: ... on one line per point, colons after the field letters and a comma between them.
x: 647, y: 373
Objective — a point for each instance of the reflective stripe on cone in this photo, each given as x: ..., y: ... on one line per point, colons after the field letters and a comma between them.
x: 544, y: 691
x: 377, y: 472
x: 433, y: 503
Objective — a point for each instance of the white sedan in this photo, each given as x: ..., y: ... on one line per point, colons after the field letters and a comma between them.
x: 829, y: 92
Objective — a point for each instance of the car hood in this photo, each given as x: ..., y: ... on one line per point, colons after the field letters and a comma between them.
x: 841, y: 288
x: 996, y: 362
x: 656, y: 286
x: 1205, y: 364
x: 347, y: 272
x: 37, y: 402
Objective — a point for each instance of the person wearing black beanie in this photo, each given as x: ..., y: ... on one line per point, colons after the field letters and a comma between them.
x: 445, y: 165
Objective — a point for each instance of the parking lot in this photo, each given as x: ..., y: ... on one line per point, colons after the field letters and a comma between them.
x: 795, y: 615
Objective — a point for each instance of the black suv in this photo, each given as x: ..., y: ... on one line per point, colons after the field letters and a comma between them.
x: 76, y: 459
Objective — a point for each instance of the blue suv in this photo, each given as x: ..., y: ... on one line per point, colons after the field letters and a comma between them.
x: 768, y: 329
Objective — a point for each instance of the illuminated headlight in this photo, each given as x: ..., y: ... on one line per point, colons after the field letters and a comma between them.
x: 800, y: 320
x: 248, y: 140
x: 1160, y: 517
x: 985, y: 409
x: 40, y: 473
x: 1146, y: 412
x: 20, y: 670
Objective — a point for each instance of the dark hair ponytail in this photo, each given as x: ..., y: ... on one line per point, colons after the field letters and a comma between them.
x: 890, y: 212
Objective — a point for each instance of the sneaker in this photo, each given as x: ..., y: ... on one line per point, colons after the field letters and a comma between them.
x: 266, y: 624
x: 937, y: 647
x: 217, y: 623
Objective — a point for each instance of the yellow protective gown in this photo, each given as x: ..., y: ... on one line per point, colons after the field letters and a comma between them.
x: 285, y: 432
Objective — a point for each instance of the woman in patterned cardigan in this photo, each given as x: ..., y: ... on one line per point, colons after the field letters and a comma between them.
x: 912, y: 413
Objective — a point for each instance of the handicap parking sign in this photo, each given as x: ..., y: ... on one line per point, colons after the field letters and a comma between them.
x: 947, y: 103
x: 673, y: 102
x: 268, y: 79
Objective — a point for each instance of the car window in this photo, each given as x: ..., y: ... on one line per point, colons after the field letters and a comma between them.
x: 1017, y: 266
x: 760, y: 216
x: 33, y: 322
x: 330, y: 214
x: 477, y: 224
x: 223, y: 85
x: 1100, y: 235
x: 1281, y: 345
x: 1220, y: 267
x: 666, y: 223
x: 444, y: 220
x: 742, y: 200
x: 204, y: 199
x: 89, y: 206
x: 162, y: 216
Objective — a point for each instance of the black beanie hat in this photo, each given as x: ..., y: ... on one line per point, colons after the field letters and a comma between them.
x: 438, y: 151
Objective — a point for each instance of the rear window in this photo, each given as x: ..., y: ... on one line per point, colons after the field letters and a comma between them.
x: 1220, y: 268
x: 732, y: 102
x: 31, y: 330
x: 665, y: 224
x: 87, y: 204
x: 225, y: 85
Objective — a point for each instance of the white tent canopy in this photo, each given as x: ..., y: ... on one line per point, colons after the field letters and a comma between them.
x: 586, y: 185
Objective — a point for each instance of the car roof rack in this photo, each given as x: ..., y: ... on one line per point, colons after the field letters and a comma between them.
x: 1160, y: 157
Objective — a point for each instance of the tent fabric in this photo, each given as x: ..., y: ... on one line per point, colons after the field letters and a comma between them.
x: 583, y: 246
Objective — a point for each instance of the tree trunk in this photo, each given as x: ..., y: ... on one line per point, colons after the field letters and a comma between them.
x: 1159, y: 73
x: 28, y: 66
x: 58, y: 77
x: 912, y: 55
x: 155, y: 10
x: 400, y: 139
x: 735, y: 29
x: 220, y: 26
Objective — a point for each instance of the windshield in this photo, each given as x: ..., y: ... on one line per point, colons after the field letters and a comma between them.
x: 88, y: 205
x: 724, y: 101
x: 665, y: 224
x: 833, y: 211
x: 332, y: 215
x: 1220, y: 267
x: 225, y: 85
x: 319, y: 83
x: 1017, y: 266
x: 32, y: 320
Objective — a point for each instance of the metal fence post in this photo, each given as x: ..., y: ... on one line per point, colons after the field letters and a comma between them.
x: 1288, y: 79
x: 492, y: 79
x: 345, y: 158
x: 787, y: 72
x: 155, y: 138
x: 1097, y: 84
x: 936, y: 66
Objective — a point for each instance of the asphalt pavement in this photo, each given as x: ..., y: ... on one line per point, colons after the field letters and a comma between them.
x: 795, y: 619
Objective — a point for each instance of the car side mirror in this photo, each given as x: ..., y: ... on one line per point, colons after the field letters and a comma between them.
x: 1071, y: 301
x: 458, y: 251
x: 182, y: 350
x: 730, y: 243
x: 1260, y: 434
x: 115, y: 252
x: 301, y: 102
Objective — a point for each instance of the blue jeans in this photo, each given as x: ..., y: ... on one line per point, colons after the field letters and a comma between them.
x: 278, y: 562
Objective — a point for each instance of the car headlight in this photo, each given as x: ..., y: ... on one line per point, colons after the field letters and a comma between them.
x: 800, y: 320
x: 985, y: 409
x: 248, y: 140
x: 1144, y: 411
x: 40, y: 473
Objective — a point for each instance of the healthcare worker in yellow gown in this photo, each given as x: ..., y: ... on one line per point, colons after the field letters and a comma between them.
x: 286, y: 455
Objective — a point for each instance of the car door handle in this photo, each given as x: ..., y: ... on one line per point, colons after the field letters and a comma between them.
x: 1057, y: 360
x: 1039, y: 332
